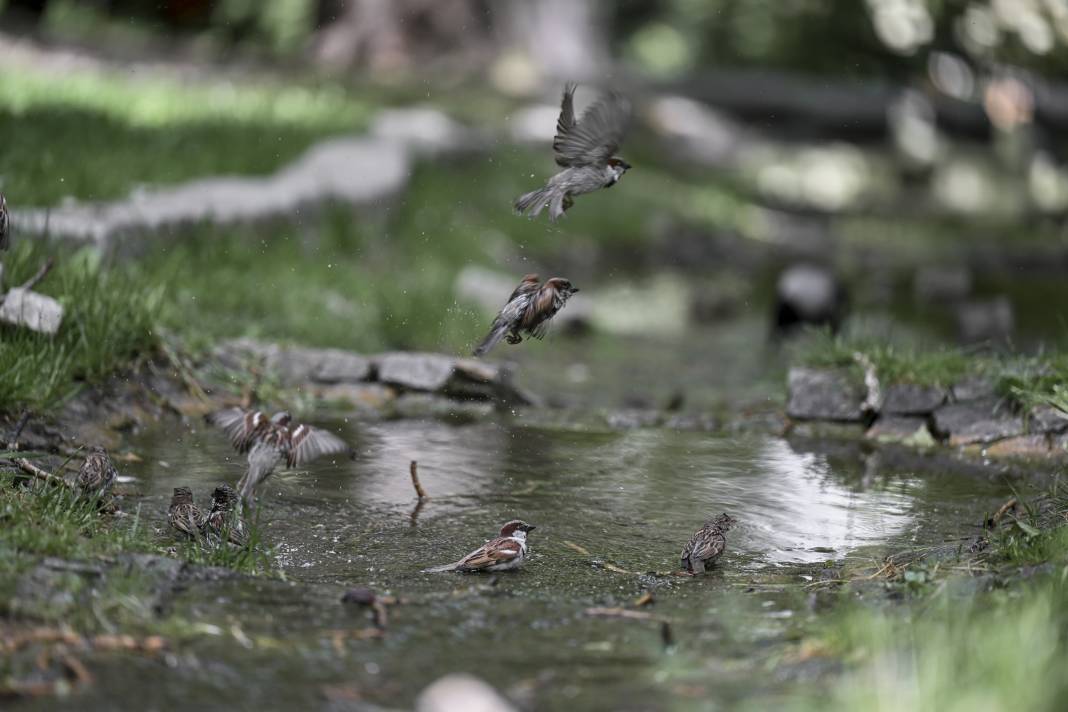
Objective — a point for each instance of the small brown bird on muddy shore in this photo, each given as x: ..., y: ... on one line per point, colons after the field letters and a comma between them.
x: 266, y: 440
x: 527, y: 311
x: 504, y: 553
x: 585, y: 149
x: 707, y: 544
x: 183, y: 515
x: 97, y: 473
x: 224, y: 522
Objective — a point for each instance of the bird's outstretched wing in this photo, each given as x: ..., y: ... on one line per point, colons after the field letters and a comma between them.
x: 309, y: 443
x: 566, y: 121
x: 598, y: 134
x: 528, y: 285
x: 243, y: 427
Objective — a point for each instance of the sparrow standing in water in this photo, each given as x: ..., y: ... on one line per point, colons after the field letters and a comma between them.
x: 585, y: 150
x: 267, y: 440
x: 506, y: 552
x: 183, y: 514
x: 5, y: 224
x: 528, y: 311
x: 97, y: 473
x: 707, y: 544
x: 224, y: 522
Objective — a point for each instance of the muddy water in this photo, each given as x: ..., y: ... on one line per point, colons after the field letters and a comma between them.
x: 630, y: 498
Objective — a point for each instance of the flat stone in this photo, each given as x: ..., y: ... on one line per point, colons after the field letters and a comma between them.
x: 1021, y: 446
x: 1047, y: 419
x: 632, y: 419
x: 912, y: 399
x: 336, y: 366
x: 31, y: 310
x: 973, y: 388
x: 428, y: 405
x: 415, y: 371
x: 979, y: 421
x: 897, y: 429
x: 817, y: 394
x: 366, y: 397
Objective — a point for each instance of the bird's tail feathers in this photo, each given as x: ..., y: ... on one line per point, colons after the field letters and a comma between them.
x: 532, y: 203
x: 440, y: 569
x: 492, y: 339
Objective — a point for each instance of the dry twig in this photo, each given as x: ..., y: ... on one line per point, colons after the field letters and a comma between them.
x: 414, y: 470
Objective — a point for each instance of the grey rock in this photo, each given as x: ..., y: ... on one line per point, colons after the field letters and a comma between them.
x: 428, y: 405
x: 415, y: 371
x: 336, y: 366
x: 631, y: 419
x: 1047, y: 419
x: 899, y: 429
x: 912, y: 399
x: 973, y: 388
x: 1027, y: 446
x: 28, y: 309
x: 370, y: 398
x: 816, y: 394
x: 977, y: 421
x: 808, y: 294
x: 459, y: 692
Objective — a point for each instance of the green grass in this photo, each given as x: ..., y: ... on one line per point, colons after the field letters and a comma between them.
x: 96, y: 135
x: 110, y: 319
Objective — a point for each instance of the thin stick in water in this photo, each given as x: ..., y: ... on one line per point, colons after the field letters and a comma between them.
x: 414, y: 469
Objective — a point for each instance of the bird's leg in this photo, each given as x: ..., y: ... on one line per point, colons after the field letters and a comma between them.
x: 514, y: 338
x: 697, y: 566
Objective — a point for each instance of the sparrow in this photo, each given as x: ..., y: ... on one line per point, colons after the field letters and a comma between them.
x: 224, y: 522
x: 97, y: 473
x: 183, y: 514
x: 266, y: 440
x: 5, y: 224
x: 707, y: 544
x: 528, y: 311
x: 506, y: 552
x: 584, y: 149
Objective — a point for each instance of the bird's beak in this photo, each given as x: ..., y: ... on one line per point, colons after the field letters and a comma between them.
x: 574, y: 289
x: 531, y: 527
x: 626, y: 166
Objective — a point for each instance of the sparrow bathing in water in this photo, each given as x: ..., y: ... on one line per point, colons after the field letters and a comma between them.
x: 183, y: 515
x: 585, y: 149
x: 266, y: 440
x: 506, y: 552
x: 224, y: 522
x: 527, y: 311
x: 707, y: 544
x: 97, y: 473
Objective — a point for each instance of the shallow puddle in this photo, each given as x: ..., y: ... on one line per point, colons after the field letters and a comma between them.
x: 630, y: 498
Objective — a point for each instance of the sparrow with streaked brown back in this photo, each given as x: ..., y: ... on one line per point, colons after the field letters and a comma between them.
x: 585, y: 149
x: 224, y: 522
x: 266, y: 440
x: 183, y: 515
x: 504, y: 553
x: 527, y: 311
x: 707, y: 544
x: 97, y: 473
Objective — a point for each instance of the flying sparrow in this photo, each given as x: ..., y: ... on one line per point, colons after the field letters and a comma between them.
x: 97, y: 473
x: 266, y: 440
x: 584, y: 149
x: 506, y: 552
x: 224, y: 522
x: 528, y: 311
x: 5, y: 224
x: 183, y: 514
x: 707, y: 544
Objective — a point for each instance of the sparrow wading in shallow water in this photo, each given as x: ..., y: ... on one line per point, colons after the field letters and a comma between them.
x: 585, y: 149
x: 224, y: 522
x: 527, y: 311
x: 183, y: 515
x: 504, y: 553
x: 707, y: 544
x: 266, y: 440
x: 97, y: 473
